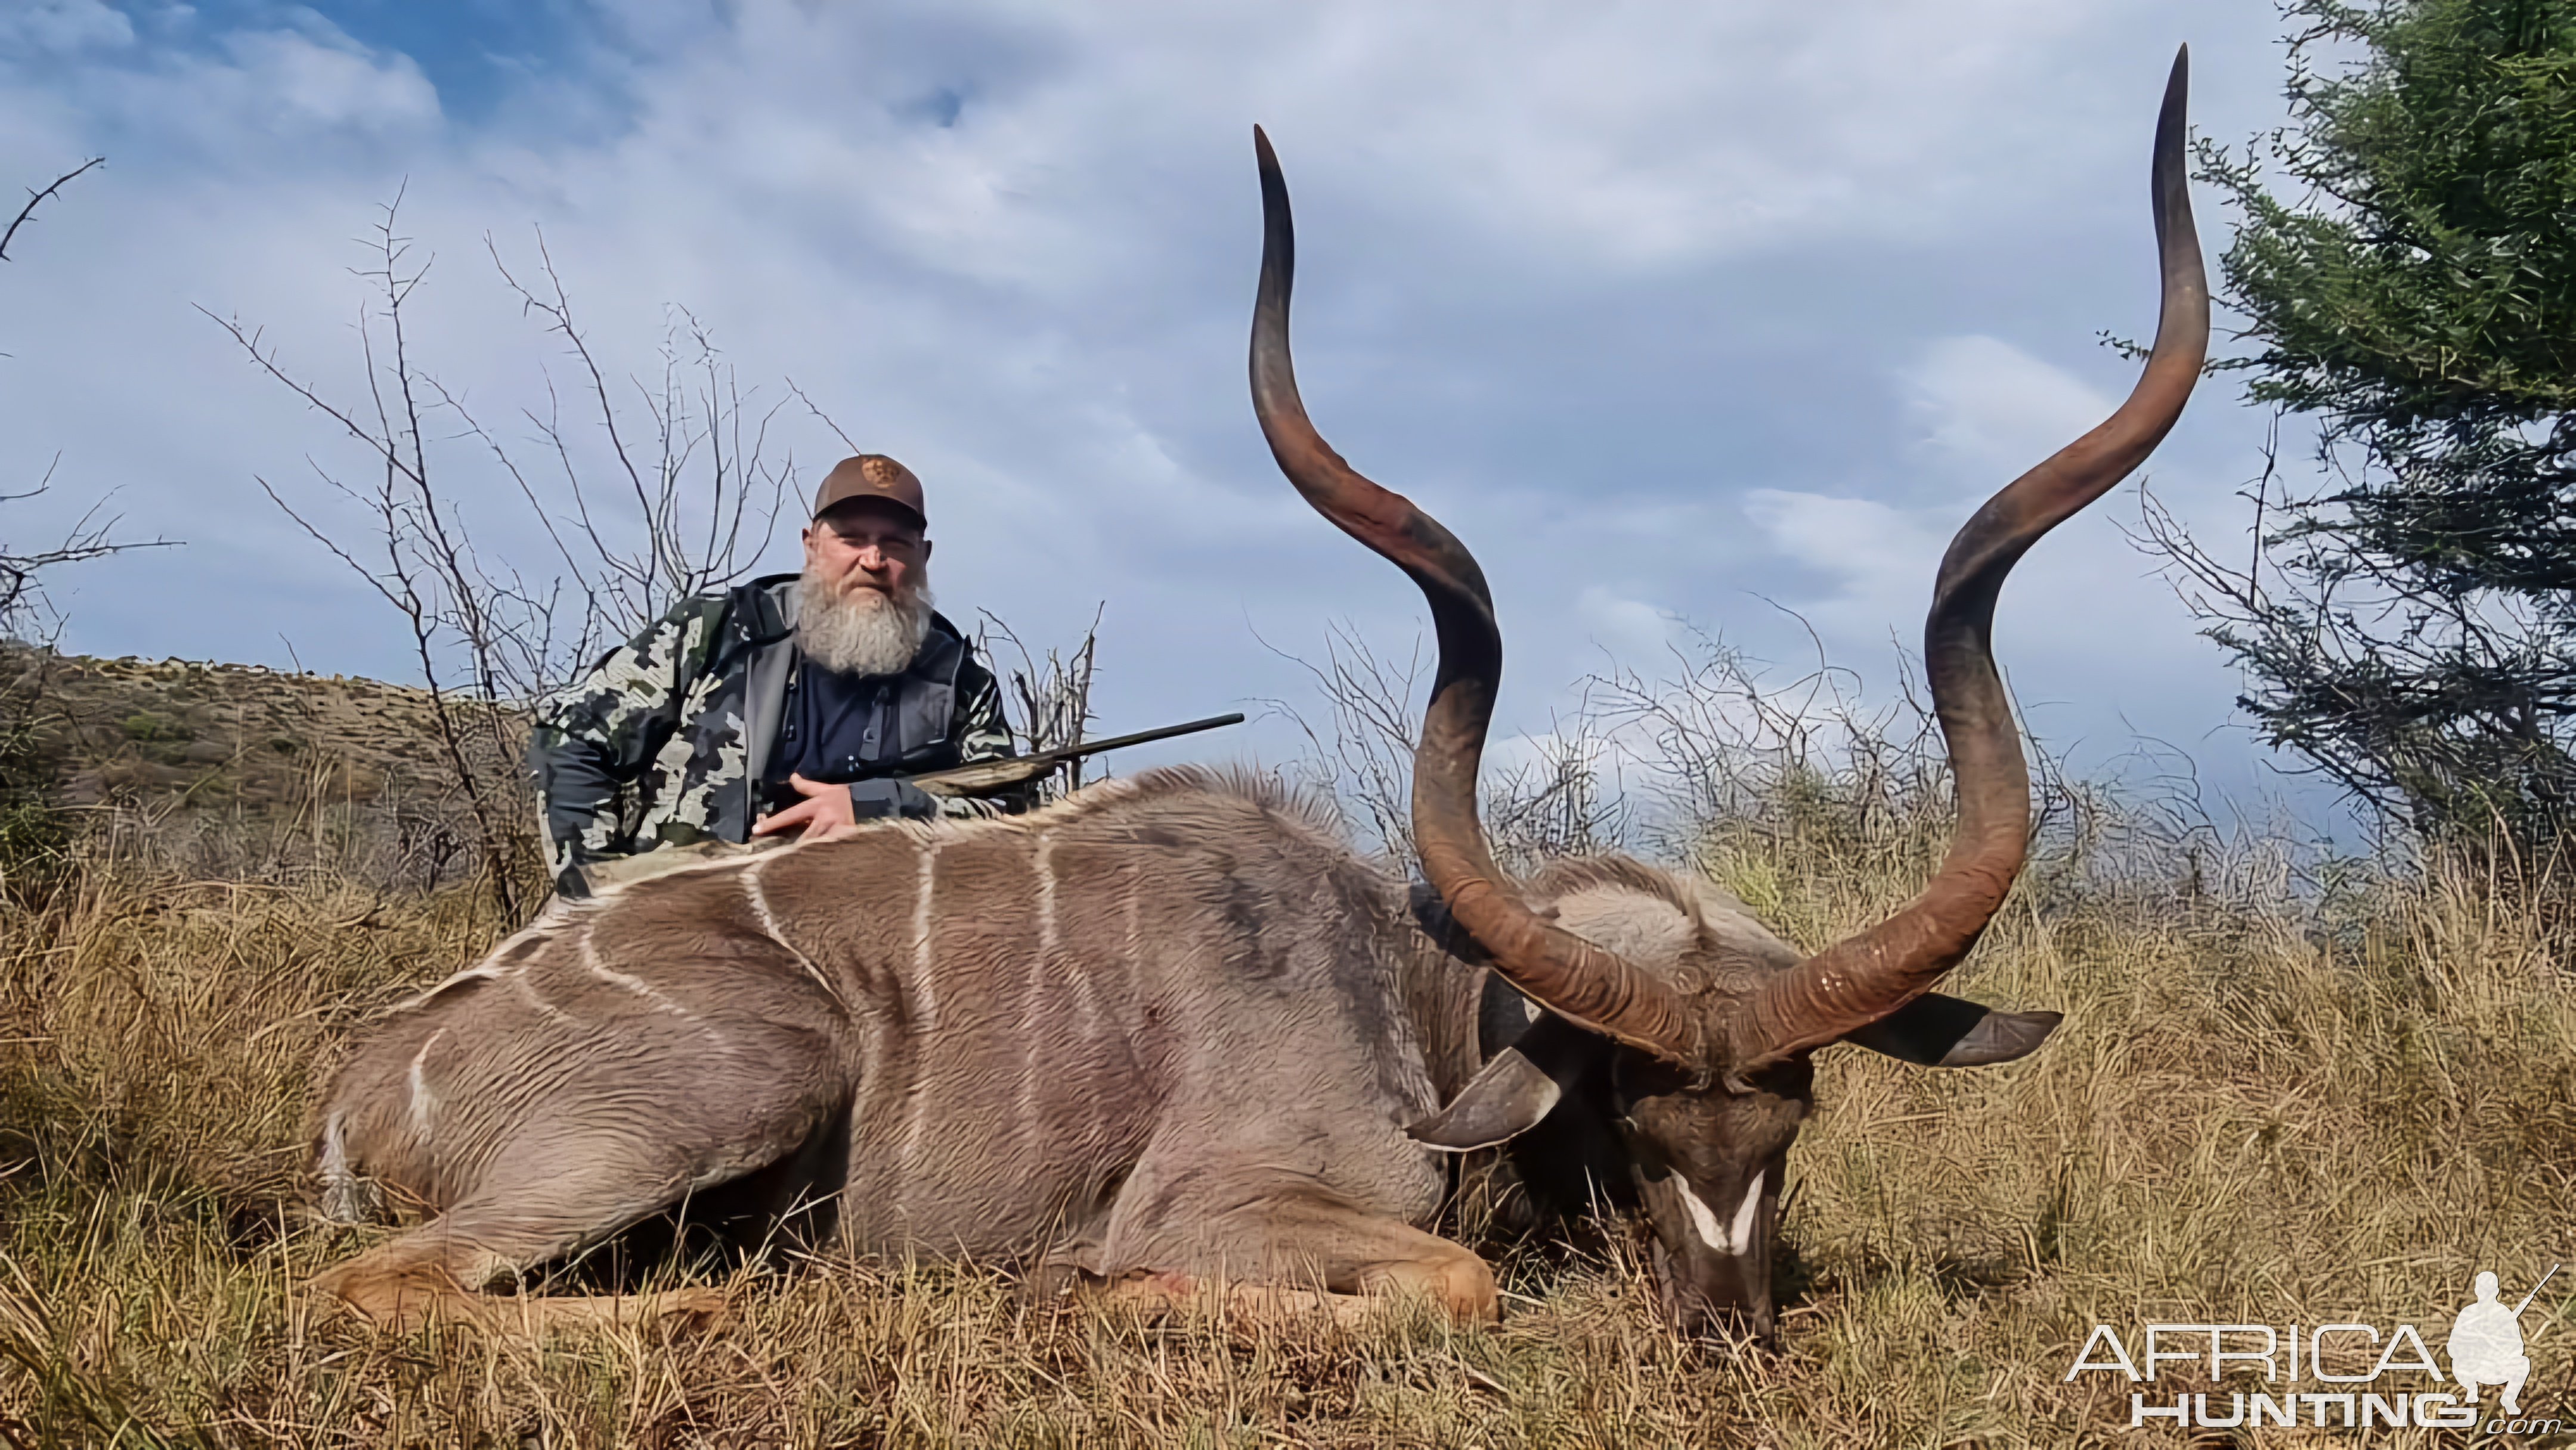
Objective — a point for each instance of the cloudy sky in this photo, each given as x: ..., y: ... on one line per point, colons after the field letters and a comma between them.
x: 1714, y: 314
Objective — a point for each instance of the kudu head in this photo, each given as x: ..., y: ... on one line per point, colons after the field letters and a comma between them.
x: 1700, y: 1037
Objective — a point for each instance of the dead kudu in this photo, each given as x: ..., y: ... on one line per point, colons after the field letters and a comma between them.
x: 1174, y: 1028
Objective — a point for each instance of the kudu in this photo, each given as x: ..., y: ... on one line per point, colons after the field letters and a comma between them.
x: 1174, y: 1028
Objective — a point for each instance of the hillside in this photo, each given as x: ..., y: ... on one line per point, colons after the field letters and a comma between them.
x: 193, y: 738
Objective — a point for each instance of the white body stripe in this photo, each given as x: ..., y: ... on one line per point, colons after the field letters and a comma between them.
x: 475, y: 973
x: 758, y: 896
x: 922, y: 955
x: 423, y: 1101
x: 637, y: 985
x: 536, y: 999
x: 1034, y: 988
x: 924, y: 963
x: 1046, y: 895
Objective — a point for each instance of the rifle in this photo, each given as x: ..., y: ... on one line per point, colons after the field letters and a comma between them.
x: 2535, y: 1291
x: 988, y: 777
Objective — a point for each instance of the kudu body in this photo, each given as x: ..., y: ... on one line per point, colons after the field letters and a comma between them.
x: 1174, y: 1028
x: 1160, y: 1026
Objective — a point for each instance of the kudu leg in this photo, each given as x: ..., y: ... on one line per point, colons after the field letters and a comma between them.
x: 548, y: 1198
x: 421, y: 1275
x: 1321, y: 1256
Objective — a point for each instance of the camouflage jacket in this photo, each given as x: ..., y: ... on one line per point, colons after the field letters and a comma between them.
x: 666, y: 741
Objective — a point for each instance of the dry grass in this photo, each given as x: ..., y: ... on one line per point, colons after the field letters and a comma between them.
x: 2266, y: 1106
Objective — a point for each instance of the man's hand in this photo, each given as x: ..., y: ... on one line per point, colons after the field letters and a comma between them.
x: 825, y: 813
x: 830, y: 812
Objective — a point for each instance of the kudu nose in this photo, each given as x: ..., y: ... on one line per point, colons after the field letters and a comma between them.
x: 1720, y: 1296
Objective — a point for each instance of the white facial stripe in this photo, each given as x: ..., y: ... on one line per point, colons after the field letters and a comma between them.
x: 1742, y: 1238
x: 1735, y: 1238
x: 1703, y: 1222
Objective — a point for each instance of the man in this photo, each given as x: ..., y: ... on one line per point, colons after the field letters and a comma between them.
x: 791, y: 703
x: 2486, y: 1346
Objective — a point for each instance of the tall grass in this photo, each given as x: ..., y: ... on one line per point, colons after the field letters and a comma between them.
x: 2273, y: 1101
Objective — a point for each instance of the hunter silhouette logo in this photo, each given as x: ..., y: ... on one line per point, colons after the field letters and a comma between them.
x: 2486, y: 1343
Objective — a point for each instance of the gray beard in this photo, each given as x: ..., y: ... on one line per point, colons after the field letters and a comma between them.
x: 865, y: 633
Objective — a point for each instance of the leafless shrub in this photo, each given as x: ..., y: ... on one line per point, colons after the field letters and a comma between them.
x: 1745, y: 768
x: 690, y: 493
x: 692, y: 502
x: 1046, y: 702
x: 1563, y: 797
x: 1362, y: 752
x: 1718, y: 762
x: 1545, y: 796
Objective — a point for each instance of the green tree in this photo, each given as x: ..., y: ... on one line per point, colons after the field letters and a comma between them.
x: 2405, y: 272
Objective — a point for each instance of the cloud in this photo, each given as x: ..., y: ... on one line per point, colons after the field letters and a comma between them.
x: 1987, y: 410
x: 1978, y: 411
x: 2096, y: 646
x: 1660, y: 307
x: 1629, y: 629
x: 58, y: 27
x: 297, y: 82
x: 1878, y: 558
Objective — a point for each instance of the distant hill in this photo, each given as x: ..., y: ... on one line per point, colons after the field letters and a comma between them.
x: 192, y: 737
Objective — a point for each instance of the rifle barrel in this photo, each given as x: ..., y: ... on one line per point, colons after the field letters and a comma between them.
x: 993, y: 775
x: 1142, y: 737
x: 2535, y: 1291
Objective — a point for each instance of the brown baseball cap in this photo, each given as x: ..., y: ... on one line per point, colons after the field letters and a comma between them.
x: 872, y: 475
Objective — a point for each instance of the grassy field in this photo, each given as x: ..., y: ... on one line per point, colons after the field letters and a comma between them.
x: 2269, y: 1105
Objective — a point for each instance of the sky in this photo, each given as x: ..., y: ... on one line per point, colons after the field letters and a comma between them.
x: 1701, y: 318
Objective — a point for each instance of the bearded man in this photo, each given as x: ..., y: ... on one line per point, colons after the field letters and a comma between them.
x: 793, y: 702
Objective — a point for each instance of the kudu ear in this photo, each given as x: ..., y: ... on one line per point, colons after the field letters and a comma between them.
x: 1937, y: 1031
x: 1519, y: 1086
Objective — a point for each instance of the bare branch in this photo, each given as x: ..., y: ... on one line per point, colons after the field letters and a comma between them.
x: 825, y: 418
x: 87, y: 538
x: 36, y: 198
